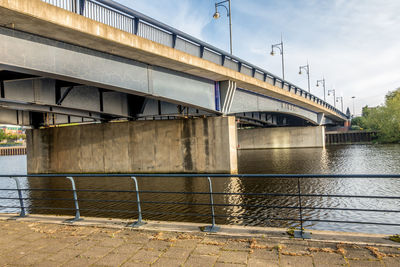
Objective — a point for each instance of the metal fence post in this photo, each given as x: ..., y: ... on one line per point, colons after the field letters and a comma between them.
x: 139, y: 222
x: 300, y: 233
x: 81, y: 8
x: 213, y: 228
x: 21, y: 201
x: 77, y: 213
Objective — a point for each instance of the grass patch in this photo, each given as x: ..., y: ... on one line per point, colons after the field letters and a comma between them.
x: 395, y: 238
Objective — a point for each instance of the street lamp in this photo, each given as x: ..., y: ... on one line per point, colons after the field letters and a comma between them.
x: 334, y: 96
x: 280, y: 47
x: 306, y: 68
x: 341, y: 100
x: 217, y: 15
x: 354, y: 113
x: 323, y: 84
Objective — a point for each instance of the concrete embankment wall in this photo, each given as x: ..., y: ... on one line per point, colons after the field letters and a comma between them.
x: 206, y: 145
x: 350, y: 137
x: 282, y: 137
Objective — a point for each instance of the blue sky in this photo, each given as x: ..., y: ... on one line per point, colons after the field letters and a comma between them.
x: 354, y: 44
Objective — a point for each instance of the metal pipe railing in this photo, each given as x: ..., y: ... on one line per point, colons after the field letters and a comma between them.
x: 300, y: 233
x: 21, y: 201
x: 139, y: 222
x: 213, y: 228
x: 77, y: 212
x: 122, y: 13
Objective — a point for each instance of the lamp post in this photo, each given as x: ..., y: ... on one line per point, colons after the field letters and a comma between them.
x: 280, y: 47
x: 354, y: 113
x: 229, y: 15
x: 334, y: 96
x: 323, y: 85
x: 341, y: 100
x: 306, y: 68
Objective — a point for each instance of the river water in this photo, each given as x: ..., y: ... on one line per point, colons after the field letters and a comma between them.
x: 352, y: 159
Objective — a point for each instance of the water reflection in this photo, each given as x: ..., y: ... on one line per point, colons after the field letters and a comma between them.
x: 12, y: 165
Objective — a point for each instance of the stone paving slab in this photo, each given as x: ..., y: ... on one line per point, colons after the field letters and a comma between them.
x: 38, y: 243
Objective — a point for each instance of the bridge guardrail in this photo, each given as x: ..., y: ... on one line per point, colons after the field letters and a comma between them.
x: 121, y: 17
x: 297, y: 193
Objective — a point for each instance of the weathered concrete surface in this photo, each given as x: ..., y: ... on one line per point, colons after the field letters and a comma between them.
x: 282, y: 137
x: 37, y: 17
x: 41, y: 241
x: 170, y: 146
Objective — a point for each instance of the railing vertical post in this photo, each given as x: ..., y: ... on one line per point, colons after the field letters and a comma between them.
x: 77, y: 213
x: 139, y: 222
x: 213, y: 228
x: 81, y: 7
x: 300, y: 233
x: 74, y: 6
x: 21, y: 201
x: 136, y: 26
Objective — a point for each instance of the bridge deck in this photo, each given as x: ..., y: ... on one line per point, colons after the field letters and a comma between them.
x: 37, y: 17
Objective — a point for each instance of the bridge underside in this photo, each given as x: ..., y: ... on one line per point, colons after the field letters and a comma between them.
x: 47, y: 82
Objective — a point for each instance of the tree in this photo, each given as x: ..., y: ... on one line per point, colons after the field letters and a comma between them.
x: 384, y: 119
x: 2, y: 135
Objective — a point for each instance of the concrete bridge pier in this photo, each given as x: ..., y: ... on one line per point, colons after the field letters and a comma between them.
x: 162, y: 146
x: 281, y: 137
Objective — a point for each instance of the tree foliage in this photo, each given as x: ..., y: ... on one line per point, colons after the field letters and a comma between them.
x: 385, y: 119
x: 11, y: 137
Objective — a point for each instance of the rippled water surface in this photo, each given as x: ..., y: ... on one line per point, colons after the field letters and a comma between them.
x: 355, y: 159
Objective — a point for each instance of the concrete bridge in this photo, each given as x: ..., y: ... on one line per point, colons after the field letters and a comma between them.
x: 75, y: 61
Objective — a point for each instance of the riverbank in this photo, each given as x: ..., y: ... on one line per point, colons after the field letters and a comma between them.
x: 40, y: 240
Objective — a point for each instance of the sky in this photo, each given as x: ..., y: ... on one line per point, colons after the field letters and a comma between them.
x: 353, y: 44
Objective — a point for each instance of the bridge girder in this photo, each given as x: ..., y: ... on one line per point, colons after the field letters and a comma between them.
x: 96, y: 86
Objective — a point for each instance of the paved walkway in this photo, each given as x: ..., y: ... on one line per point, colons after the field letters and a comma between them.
x: 35, y: 243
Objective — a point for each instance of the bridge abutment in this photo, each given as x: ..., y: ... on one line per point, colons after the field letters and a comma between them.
x: 206, y: 145
x: 281, y: 137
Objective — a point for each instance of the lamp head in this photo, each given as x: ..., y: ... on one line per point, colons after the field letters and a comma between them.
x: 300, y: 72
x: 317, y: 84
x: 216, y: 15
x: 272, y: 53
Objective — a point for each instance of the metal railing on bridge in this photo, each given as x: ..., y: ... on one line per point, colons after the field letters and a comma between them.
x: 123, y: 18
x: 262, y: 210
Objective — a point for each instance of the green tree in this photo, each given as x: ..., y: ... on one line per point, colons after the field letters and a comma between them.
x: 385, y: 119
x: 2, y: 135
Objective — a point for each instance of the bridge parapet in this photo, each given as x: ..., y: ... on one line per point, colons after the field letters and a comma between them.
x: 123, y: 18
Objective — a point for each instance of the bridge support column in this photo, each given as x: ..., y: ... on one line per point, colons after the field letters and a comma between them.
x: 281, y: 137
x: 206, y: 145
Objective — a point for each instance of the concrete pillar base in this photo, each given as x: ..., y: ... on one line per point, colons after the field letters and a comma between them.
x: 281, y: 137
x: 206, y: 145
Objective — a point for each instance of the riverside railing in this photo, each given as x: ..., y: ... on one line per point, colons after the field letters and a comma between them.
x: 126, y: 19
x: 262, y: 178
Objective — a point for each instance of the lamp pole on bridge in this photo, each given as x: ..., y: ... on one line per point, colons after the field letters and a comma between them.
x: 341, y: 100
x: 334, y: 96
x: 280, y: 47
x: 354, y: 112
x: 306, y: 68
x: 217, y: 15
x: 323, y: 85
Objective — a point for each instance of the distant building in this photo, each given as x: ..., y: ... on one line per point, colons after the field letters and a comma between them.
x: 12, y: 130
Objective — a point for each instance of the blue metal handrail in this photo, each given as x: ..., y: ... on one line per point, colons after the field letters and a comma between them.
x: 299, y: 233
x: 78, y: 6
